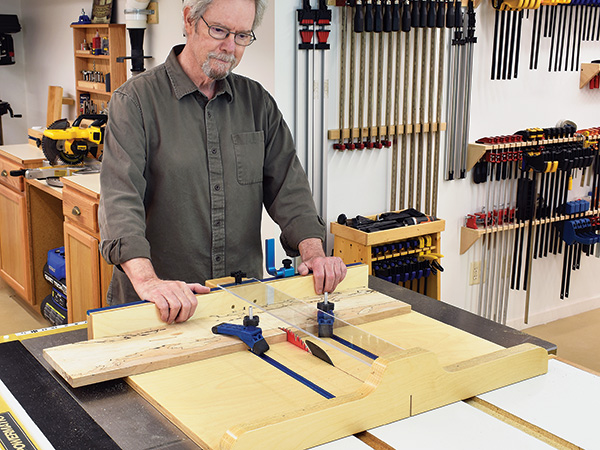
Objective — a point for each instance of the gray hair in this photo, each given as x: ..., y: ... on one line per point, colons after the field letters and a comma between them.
x: 199, y: 7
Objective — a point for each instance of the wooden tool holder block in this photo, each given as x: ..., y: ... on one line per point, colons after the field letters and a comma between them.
x: 355, y: 246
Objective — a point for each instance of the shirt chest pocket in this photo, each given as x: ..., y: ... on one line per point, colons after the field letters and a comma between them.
x: 249, y: 156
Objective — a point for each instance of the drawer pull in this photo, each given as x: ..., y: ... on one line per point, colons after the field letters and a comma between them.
x: 4, y: 173
x: 76, y: 211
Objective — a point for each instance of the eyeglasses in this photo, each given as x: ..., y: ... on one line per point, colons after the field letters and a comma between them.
x: 221, y: 33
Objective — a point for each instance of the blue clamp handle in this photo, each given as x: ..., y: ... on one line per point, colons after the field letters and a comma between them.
x: 325, y: 319
x: 579, y: 230
x: 286, y: 271
x: 250, y: 335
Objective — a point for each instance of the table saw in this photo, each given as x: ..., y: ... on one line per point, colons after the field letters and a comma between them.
x: 249, y: 397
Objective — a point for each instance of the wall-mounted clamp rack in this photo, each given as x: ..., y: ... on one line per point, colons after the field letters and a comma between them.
x: 528, y: 178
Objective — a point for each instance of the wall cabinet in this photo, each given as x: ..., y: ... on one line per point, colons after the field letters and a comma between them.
x: 97, y: 76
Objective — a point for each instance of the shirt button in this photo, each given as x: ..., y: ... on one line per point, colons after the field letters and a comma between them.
x: 213, y: 151
x: 218, y: 223
x: 217, y: 258
x: 209, y: 114
x: 217, y: 187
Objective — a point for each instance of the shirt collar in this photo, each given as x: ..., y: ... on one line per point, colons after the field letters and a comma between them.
x: 182, y: 85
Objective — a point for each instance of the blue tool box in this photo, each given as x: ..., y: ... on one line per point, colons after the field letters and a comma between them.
x: 54, y: 305
x: 55, y: 269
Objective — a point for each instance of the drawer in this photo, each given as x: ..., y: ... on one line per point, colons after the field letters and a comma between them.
x: 6, y: 179
x: 81, y: 210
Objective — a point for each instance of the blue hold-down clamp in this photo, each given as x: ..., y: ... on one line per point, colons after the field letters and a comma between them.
x: 249, y: 333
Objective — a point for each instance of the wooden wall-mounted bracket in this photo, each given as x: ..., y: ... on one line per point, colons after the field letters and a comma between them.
x: 464, y: 3
x: 476, y: 151
x: 588, y: 71
x: 468, y: 236
x: 392, y: 130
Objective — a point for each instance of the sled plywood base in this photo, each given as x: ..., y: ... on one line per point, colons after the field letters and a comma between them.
x: 239, y: 402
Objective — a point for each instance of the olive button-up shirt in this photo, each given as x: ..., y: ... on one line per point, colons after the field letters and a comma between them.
x: 184, y: 179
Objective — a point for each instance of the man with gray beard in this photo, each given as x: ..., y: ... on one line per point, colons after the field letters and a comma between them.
x: 192, y: 152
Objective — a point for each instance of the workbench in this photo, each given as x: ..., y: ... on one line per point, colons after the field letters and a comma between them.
x: 558, y: 402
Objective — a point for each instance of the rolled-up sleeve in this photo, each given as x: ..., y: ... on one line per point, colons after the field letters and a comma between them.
x: 121, y: 212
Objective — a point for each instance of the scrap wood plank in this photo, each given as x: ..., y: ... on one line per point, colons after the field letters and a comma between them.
x: 112, y: 357
x: 149, y: 344
x: 140, y: 317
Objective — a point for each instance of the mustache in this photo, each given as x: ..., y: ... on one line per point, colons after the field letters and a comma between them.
x: 224, y: 57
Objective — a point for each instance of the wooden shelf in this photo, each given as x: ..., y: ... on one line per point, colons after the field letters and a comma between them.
x: 468, y: 236
x: 91, y: 90
x: 476, y: 151
x: 90, y: 56
x: 386, y: 236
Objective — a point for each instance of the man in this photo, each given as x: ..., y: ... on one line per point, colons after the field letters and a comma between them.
x: 191, y: 154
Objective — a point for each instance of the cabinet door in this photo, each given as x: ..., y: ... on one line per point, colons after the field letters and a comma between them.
x: 83, y: 273
x: 14, y: 247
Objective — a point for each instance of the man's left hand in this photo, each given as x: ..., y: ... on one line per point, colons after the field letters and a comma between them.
x: 328, y: 272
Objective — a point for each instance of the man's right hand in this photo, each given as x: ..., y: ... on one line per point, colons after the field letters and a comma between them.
x: 176, y: 300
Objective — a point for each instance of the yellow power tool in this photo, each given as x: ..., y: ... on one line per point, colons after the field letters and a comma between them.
x: 69, y: 144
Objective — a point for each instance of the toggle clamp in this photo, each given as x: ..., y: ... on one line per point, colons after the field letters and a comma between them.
x: 249, y: 333
x: 325, y: 317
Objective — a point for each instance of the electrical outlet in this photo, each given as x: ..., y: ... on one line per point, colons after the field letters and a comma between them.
x: 153, y: 18
x: 475, y: 273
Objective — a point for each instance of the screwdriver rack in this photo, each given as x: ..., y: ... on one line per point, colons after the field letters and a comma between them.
x: 400, y: 246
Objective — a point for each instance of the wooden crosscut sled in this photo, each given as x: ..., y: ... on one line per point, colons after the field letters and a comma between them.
x: 223, y: 396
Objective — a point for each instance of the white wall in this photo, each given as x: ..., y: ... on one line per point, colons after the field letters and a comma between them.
x: 535, y: 99
x: 358, y: 182
x: 12, y: 81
